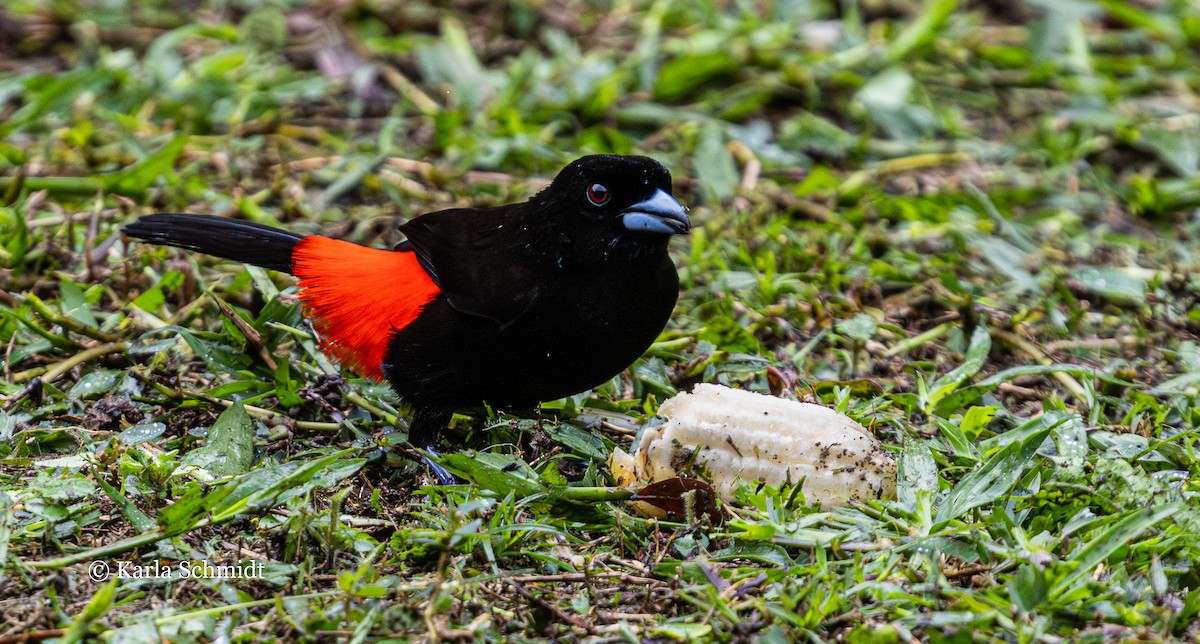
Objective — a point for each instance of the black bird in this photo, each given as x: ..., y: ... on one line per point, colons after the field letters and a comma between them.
x: 511, y: 306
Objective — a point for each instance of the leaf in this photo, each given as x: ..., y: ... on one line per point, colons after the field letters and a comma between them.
x: 1053, y: 419
x: 65, y: 488
x: 945, y: 398
x: 259, y: 489
x: 1028, y: 588
x: 956, y: 439
x: 716, y: 170
x: 1179, y: 150
x: 885, y: 98
x: 1106, y: 543
x: 74, y: 304
x: 976, y: 420
x: 580, y: 441
x: 286, y: 387
x: 1007, y: 258
x: 921, y: 31
x: 992, y: 479
x: 220, y: 356
x: 229, y: 449
x: 141, y: 433
x: 1114, y: 284
x: 191, y: 506
x: 138, y: 519
x: 683, y: 631
x: 917, y: 471
x: 681, y: 498
x: 1039, y: 370
x: 154, y: 297
x: 497, y: 472
x: 268, y: 487
x: 1183, y: 383
x: 681, y: 75
x: 977, y: 353
x: 452, y: 61
x: 95, y: 384
x: 762, y: 553
x: 135, y: 179
x: 889, y: 89
x: 97, y: 607
x: 861, y: 327
x: 961, y: 397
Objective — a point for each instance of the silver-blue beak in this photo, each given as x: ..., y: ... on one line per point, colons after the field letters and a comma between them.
x: 661, y: 213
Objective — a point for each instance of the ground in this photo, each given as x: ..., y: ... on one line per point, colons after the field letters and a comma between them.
x: 970, y: 226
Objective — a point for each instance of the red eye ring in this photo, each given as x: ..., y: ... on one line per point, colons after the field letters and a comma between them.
x: 598, y: 194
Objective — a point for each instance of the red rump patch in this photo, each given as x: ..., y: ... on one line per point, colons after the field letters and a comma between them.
x: 358, y: 295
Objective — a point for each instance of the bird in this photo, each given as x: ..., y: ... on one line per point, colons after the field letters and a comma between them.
x: 511, y: 305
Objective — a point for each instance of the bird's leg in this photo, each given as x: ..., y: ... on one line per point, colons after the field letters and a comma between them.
x: 426, y: 425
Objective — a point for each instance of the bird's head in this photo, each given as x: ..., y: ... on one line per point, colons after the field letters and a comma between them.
x: 606, y: 202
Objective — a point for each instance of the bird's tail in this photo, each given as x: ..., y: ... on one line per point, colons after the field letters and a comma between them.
x: 242, y: 241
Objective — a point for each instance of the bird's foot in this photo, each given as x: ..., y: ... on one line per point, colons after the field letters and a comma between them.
x: 444, y: 477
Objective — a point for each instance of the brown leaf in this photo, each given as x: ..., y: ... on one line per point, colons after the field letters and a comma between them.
x: 682, y: 499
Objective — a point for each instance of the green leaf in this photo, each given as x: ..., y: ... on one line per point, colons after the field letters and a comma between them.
x: 452, y: 61
x: 917, y: 471
x: 140, y: 520
x: 497, y: 472
x: 95, y: 384
x: 956, y: 439
x: 995, y: 477
x: 268, y: 487
x: 1007, y: 258
x: 885, y: 99
x: 135, y: 179
x: 63, y: 488
x: 976, y: 420
x: 961, y: 397
x: 977, y: 353
x: 861, y: 327
x: 191, y: 506
x: 923, y: 30
x: 285, y: 387
x: 96, y: 608
x: 1053, y: 419
x: 142, y: 432
x: 221, y: 357
x: 1040, y: 370
x: 74, y: 305
x: 716, y: 170
x: 229, y: 449
x: 691, y: 632
x: 1029, y: 588
x: 581, y: 442
x: 155, y: 297
x: 1115, y: 284
x: 1123, y: 531
x: 681, y: 75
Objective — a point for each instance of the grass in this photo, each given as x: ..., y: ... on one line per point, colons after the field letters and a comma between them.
x: 971, y: 226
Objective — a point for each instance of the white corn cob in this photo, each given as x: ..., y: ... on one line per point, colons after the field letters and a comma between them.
x: 724, y: 435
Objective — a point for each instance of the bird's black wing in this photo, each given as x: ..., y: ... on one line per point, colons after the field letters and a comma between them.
x: 475, y: 257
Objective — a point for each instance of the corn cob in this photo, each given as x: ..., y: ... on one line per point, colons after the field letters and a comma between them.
x: 724, y: 435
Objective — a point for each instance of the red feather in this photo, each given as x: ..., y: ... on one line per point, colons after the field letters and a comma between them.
x: 357, y: 296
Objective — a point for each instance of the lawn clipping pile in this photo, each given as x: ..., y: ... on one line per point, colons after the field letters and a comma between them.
x: 968, y: 227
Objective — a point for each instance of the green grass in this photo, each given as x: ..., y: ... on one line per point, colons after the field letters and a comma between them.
x: 971, y: 226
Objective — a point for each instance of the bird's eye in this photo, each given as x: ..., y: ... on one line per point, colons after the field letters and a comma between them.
x: 598, y: 194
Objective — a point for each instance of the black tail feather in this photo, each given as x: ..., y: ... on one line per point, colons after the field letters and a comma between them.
x: 229, y: 238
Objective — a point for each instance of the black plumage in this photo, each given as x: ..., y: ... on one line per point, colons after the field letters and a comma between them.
x: 526, y: 302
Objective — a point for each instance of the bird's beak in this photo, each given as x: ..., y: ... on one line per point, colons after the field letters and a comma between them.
x: 658, y: 214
